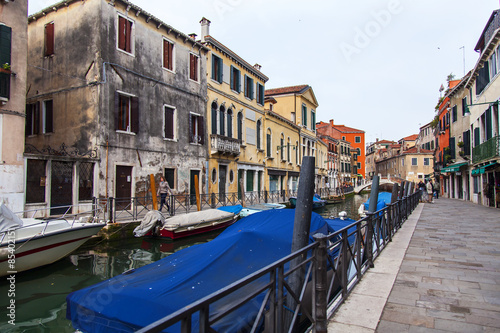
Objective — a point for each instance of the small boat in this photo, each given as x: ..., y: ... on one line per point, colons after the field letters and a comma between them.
x: 317, y: 202
x: 27, y: 243
x: 195, y: 223
x: 190, y: 274
x: 252, y: 209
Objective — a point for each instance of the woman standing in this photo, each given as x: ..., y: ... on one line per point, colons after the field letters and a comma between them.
x: 164, y: 191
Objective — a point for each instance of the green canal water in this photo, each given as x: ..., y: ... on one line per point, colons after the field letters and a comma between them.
x: 40, y: 294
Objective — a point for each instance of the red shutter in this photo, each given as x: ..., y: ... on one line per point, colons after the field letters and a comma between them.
x: 121, y: 33
x: 193, y: 70
x: 134, y: 122
x: 49, y: 39
x: 169, y: 123
x: 128, y: 36
x: 167, y: 54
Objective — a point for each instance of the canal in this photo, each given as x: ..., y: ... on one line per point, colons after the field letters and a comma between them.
x: 40, y: 294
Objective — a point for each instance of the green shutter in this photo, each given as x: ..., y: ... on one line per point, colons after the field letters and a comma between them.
x: 5, y: 44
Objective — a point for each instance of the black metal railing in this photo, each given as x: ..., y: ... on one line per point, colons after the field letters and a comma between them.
x: 328, y: 281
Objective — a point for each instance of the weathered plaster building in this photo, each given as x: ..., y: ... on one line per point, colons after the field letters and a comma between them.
x: 13, y: 63
x: 236, y: 119
x: 410, y: 164
x: 373, y: 154
x: 109, y: 110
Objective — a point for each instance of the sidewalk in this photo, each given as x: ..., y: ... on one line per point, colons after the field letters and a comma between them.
x: 441, y: 273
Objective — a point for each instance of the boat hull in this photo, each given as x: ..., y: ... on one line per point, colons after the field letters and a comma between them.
x: 41, y: 250
x: 316, y: 204
x: 187, y: 231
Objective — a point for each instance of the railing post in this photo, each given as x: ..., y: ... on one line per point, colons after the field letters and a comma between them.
x: 344, y: 262
x: 111, y: 210
x: 321, y: 284
x: 369, y: 239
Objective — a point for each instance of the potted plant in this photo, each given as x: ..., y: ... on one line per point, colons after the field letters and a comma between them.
x: 5, y: 68
x: 460, y: 144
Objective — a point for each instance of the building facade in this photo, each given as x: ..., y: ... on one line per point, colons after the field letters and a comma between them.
x: 106, y: 112
x: 13, y: 69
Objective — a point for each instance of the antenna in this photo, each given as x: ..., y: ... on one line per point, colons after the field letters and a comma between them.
x: 463, y: 48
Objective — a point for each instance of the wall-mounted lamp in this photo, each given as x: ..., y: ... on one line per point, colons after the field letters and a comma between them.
x: 467, y: 110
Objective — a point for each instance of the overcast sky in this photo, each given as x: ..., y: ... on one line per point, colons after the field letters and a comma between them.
x: 375, y: 65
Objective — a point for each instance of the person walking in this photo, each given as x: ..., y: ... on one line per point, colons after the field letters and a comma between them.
x: 164, y: 191
x: 436, y: 189
x: 429, y: 191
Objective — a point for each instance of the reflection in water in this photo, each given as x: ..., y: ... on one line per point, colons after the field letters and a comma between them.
x: 41, y: 293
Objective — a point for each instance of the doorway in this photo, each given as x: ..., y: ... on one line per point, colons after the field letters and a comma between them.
x: 61, y: 189
x: 222, y: 183
x: 123, y: 190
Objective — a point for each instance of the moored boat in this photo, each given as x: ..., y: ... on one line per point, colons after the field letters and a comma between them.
x: 317, y: 202
x: 27, y: 243
x: 252, y: 209
x: 195, y: 223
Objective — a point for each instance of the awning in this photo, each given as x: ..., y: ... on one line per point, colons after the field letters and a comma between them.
x: 482, y: 169
x: 453, y: 167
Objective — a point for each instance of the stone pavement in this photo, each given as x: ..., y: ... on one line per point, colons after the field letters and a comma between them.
x: 441, y: 273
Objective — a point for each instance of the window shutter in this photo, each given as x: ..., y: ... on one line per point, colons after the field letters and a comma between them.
x: 49, y: 39
x: 121, y: 33
x: 201, y: 130
x: 464, y: 105
x: 233, y: 86
x: 169, y: 123
x: 117, y: 110
x: 134, y: 122
x: 191, y: 66
x: 167, y: 54
x: 5, y: 44
x: 476, y: 137
x: 128, y: 36
x: 452, y: 147
x: 191, y: 134
x: 466, y: 136
x: 49, y: 118
x: 29, y: 119
x: 36, y: 119
x: 214, y: 68
x: 230, y: 123
x: 489, y: 127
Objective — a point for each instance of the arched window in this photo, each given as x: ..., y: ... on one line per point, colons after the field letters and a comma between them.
x: 222, y: 110
x: 269, y: 143
x: 288, y: 150
x: 297, y: 150
x: 240, y: 126
x: 282, y: 146
x: 214, y: 118
x: 230, y: 123
x: 258, y: 134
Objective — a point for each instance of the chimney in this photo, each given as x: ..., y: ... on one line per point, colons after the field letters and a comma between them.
x: 331, y: 122
x: 257, y: 67
x: 193, y: 36
x: 205, y: 28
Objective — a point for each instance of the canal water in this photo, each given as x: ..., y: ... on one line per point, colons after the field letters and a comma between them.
x: 40, y: 294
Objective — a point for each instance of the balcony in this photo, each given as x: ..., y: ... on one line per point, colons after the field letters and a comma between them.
x: 486, y: 150
x: 224, y: 145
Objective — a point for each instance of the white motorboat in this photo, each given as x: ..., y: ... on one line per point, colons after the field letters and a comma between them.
x: 249, y: 210
x: 27, y: 243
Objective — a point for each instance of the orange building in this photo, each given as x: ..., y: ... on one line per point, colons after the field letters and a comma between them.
x: 354, y: 136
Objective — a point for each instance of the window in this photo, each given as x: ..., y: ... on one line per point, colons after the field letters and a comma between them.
x: 196, y: 129
x: 126, y: 113
x: 125, y: 31
x: 193, y: 67
x: 357, y: 139
x: 235, y: 80
x: 240, y: 126
x: 216, y: 68
x: 304, y: 115
x: 49, y: 39
x: 426, y: 161
x: 35, y: 181
x: 296, y: 152
x: 313, y: 120
x: 168, y: 55
x: 86, y: 181
x: 483, y: 78
x: 5, y: 52
x: 288, y: 150
x: 248, y: 87
x: 47, y: 116
x: 454, y: 114
x: 230, y: 123
x: 269, y: 143
x: 259, y: 128
x: 260, y: 94
x: 32, y: 119
x: 414, y: 161
x: 214, y: 118
x: 170, y: 177
x: 222, y: 120
x: 282, y: 147
x: 464, y: 105
x: 169, y: 129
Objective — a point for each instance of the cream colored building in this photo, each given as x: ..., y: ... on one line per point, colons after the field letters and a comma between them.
x: 13, y: 69
x: 235, y: 120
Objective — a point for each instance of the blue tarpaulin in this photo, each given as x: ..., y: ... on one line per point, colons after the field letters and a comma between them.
x: 135, y: 299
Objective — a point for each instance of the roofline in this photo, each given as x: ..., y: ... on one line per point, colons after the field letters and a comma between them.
x: 138, y: 10
x: 211, y: 40
x: 492, y: 16
x: 303, y: 90
x: 480, y: 62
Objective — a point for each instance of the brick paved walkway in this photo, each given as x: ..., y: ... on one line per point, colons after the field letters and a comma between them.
x: 448, y: 281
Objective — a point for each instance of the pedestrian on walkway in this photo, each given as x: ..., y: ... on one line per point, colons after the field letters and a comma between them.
x: 429, y: 191
x: 164, y: 191
x: 436, y: 189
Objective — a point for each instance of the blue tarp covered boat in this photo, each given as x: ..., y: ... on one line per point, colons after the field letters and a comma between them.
x: 137, y: 298
x: 317, y: 202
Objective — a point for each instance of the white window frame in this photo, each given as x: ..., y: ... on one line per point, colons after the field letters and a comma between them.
x: 173, y: 70
x: 129, y: 126
x: 198, y: 73
x: 175, y: 122
x: 132, y: 35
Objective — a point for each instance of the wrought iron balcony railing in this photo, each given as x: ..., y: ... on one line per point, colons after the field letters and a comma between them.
x: 486, y: 150
x: 224, y: 144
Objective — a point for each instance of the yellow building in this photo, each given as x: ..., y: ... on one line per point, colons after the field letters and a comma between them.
x: 298, y: 104
x: 235, y: 120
